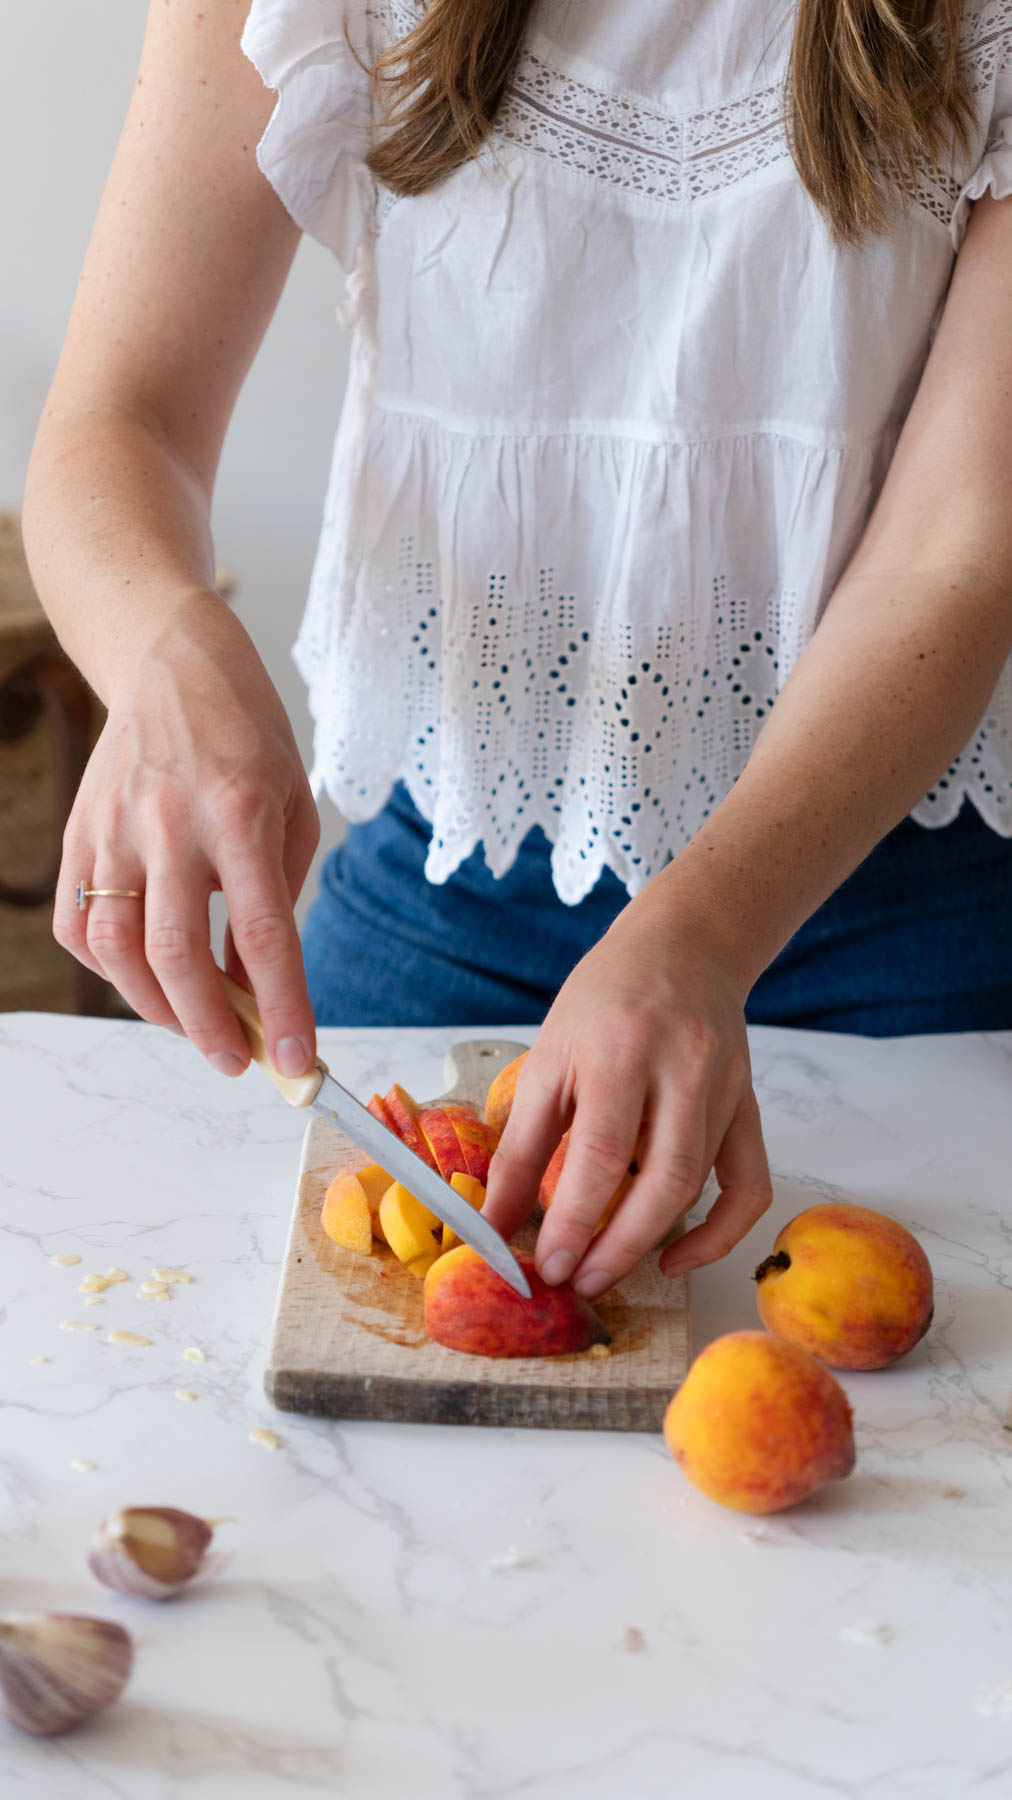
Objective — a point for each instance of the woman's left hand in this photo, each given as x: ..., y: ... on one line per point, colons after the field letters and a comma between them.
x: 644, y: 1054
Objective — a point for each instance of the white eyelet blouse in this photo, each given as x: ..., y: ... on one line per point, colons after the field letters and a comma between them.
x: 617, y: 412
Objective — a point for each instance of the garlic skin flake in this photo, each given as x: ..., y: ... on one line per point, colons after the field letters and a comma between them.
x: 59, y: 1668
x: 149, y: 1551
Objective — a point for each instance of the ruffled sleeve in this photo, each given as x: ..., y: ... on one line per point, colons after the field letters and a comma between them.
x: 993, y: 174
x: 989, y: 57
x: 321, y: 129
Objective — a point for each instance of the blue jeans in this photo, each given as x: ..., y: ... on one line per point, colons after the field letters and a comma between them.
x: 917, y: 939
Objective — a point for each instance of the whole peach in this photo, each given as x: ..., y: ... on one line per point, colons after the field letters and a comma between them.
x: 499, y: 1099
x: 759, y: 1424
x: 851, y: 1285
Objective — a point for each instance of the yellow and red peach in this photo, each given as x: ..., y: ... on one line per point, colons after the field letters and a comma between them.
x: 469, y: 1307
x: 851, y: 1285
x: 442, y: 1141
x: 404, y: 1113
x: 477, y: 1140
x: 378, y: 1109
x: 759, y: 1423
x: 499, y: 1099
x: 550, y: 1181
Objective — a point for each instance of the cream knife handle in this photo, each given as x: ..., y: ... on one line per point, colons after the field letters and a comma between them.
x: 298, y: 1090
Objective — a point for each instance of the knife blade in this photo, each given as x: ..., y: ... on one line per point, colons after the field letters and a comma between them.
x: 319, y: 1090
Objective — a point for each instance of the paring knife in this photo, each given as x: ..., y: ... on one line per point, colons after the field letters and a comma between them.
x: 319, y: 1090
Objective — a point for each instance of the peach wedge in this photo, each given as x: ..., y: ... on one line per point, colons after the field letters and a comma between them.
x: 471, y: 1190
x: 409, y: 1227
x: 346, y: 1217
x: 403, y: 1113
x: 477, y: 1141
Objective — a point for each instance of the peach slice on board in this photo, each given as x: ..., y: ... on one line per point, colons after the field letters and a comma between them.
x: 469, y: 1307
x: 408, y: 1228
x: 346, y: 1216
x: 471, y: 1190
x: 377, y: 1107
x: 477, y: 1140
x: 443, y: 1142
x: 375, y: 1181
x: 404, y: 1114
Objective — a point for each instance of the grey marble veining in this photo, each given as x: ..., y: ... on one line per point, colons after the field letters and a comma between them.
x: 469, y: 1614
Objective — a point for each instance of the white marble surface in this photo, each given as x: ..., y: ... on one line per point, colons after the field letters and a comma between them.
x: 416, y: 1611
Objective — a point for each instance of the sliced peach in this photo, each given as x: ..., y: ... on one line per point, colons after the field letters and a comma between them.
x: 550, y: 1181
x: 469, y: 1307
x: 442, y: 1141
x: 346, y: 1217
x: 471, y: 1190
x: 408, y: 1227
x: 477, y: 1140
x: 375, y: 1181
x: 378, y: 1109
x: 403, y: 1112
x: 499, y: 1099
x: 420, y: 1265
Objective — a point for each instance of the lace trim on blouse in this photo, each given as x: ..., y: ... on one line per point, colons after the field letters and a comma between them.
x: 625, y: 141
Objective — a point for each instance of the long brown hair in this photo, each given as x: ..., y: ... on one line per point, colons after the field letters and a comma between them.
x: 873, y: 88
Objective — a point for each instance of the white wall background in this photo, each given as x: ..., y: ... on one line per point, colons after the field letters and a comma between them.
x: 66, y: 75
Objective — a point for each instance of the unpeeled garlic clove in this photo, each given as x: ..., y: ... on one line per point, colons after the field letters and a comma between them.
x: 59, y: 1668
x: 150, y: 1551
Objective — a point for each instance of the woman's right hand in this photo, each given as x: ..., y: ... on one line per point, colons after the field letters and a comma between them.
x: 196, y: 784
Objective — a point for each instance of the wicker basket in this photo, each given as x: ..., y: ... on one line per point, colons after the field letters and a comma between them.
x: 49, y: 720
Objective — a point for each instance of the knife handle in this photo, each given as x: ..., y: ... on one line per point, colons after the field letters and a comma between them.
x: 298, y: 1090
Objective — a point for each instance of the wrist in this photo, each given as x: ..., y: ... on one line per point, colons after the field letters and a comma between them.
x: 174, y: 637
x: 707, y: 921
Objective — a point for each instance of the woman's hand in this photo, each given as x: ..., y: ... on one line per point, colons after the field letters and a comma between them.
x: 195, y: 785
x: 644, y: 1053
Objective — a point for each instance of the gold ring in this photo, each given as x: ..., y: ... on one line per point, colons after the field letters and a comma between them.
x: 83, y: 893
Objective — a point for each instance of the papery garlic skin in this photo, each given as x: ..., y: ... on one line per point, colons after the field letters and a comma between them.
x: 149, y: 1552
x: 57, y: 1669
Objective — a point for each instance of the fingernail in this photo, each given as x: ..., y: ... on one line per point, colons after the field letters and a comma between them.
x: 558, y: 1267
x: 291, y: 1056
x: 593, y: 1281
x: 225, y: 1062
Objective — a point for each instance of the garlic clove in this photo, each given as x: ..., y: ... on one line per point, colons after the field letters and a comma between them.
x: 59, y: 1668
x: 149, y: 1551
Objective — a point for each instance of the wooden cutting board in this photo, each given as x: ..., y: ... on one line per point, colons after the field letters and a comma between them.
x: 348, y: 1340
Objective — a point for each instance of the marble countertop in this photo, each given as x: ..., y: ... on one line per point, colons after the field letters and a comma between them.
x: 472, y: 1614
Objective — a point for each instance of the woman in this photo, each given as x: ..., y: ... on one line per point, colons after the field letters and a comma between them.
x: 642, y: 434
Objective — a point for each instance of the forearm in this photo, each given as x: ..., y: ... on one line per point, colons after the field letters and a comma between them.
x: 117, y: 532
x: 896, y: 676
